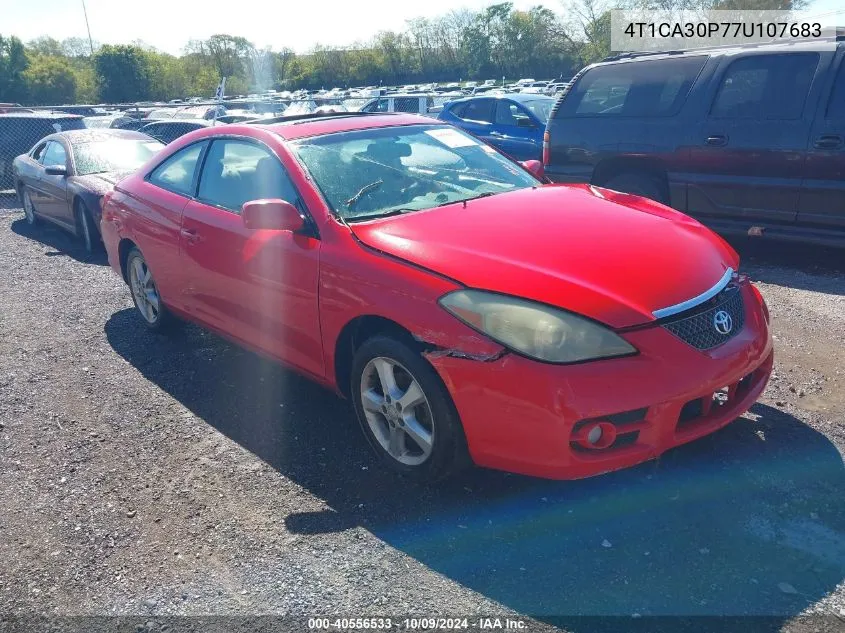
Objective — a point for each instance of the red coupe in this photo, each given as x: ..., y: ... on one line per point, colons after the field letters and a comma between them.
x: 470, y: 311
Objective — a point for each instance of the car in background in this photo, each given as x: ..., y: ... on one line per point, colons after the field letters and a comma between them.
x: 169, y: 130
x: 409, y: 104
x: 125, y: 122
x: 19, y: 131
x: 100, y: 121
x: 13, y: 107
x: 63, y: 178
x: 750, y: 140
x: 239, y: 116
x: 470, y: 312
x: 512, y: 123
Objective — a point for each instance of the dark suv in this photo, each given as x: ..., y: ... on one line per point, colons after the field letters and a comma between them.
x: 19, y: 131
x: 749, y: 140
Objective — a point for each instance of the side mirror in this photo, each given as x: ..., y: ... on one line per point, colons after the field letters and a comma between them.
x: 274, y: 214
x: 56, y: 170
x: 536, y: 168
x: 524, y: 122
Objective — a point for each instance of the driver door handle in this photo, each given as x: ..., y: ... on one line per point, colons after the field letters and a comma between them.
x: 828, y: 141
x: 190, y: 236
x: 717, y: 140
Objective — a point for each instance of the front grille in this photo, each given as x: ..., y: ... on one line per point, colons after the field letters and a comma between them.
x: 698, y: 327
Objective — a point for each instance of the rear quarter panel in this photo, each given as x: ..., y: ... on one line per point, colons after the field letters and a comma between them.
x: 151, y: 218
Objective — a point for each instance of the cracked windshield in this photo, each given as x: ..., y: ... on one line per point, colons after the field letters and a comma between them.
x: 378, y: 172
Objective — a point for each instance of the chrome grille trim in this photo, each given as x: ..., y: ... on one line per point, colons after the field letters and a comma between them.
x: 662, y: 313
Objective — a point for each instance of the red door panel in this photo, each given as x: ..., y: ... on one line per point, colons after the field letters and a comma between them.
x: 259, y: 286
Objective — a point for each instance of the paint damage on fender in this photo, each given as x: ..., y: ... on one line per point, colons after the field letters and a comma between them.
x: 478, y: 348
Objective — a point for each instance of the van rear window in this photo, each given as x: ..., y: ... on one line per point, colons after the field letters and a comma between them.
x: 653, y: 88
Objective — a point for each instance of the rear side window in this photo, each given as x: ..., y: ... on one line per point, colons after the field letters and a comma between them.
x: 177, y: 172
x: 653, y: 88
x: 38, y: 152
x: 770, y: 87
x: 458, y: 109
x: 480, y: 110
x: 836, y: 104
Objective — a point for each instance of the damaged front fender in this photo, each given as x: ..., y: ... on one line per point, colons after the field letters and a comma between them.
x: 470, y: 347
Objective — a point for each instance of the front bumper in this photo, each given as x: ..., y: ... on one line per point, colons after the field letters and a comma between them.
x: 523, y: 416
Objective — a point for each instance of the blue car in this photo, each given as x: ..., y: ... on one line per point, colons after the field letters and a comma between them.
x: 513, y: 123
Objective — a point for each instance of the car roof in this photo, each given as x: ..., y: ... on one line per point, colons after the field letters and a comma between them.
x: 317, y: 126
x: 199, y: 122
x: 519, y: 97
x: 786, y: 45
x: 40, y: 115
x: 94, y: 135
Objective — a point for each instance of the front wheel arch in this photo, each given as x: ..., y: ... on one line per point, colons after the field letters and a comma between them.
x: 354, y: 334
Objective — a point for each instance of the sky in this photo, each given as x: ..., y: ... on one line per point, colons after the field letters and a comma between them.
x: 298, y: 24
x: 169, y: 24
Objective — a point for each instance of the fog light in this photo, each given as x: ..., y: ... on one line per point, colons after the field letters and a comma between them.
x: 595, y: 435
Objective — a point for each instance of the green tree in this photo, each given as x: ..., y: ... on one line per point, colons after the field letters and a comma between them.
x: 13, y: 64
x: 123, y: 73
x: 50, y: 80
x: 45, y: 46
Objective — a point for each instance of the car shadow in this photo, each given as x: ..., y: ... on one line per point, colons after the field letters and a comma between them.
x: 748, y: 521
x: 63, y: 243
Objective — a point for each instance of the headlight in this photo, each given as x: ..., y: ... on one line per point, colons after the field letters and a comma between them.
x: 533, y: 329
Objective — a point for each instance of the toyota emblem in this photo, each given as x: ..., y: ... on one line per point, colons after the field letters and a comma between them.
x: 723, y: 322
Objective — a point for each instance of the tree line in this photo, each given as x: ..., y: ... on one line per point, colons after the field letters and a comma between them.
x: 497, y: 41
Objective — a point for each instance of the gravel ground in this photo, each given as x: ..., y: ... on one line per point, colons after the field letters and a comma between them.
x: 152, y: 476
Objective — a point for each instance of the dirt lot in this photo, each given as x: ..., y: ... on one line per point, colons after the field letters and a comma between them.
x: 153, y: 476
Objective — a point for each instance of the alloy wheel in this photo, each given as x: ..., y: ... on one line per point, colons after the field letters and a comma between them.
x: 28, y: 209
x: 144, y: 290
x: 86, y: 229
x: 397, y: 411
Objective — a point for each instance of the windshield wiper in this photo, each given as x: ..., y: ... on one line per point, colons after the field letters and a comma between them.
x: 481, y: 195
x: 376, y: 216
x: 373, y: 185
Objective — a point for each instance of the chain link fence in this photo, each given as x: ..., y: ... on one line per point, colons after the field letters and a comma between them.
x: 22, y: 127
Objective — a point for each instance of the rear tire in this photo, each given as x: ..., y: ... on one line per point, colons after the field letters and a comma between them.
x: 145, y: 295
x: 412, y: 425
x: 28, y: 207
x: 639, y: 184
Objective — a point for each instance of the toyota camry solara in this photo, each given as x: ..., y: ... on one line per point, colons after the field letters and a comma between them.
x: 470, y: 312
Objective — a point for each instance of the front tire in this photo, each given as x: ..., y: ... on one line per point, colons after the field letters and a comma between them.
x: 145, y: 293
x: 406, y: 412
x: 87, y: 230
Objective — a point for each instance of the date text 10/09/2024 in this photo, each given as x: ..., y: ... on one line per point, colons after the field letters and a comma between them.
x: 697, y: 30
x: 413, y: 624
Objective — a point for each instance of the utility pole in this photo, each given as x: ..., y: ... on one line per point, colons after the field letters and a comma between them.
x: 87, y: 26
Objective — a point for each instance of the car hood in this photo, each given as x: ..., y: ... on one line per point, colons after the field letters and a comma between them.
x: 101, y: 183
x: 613, y: 257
